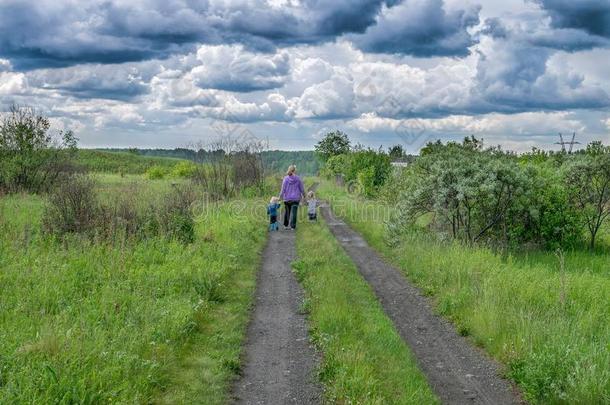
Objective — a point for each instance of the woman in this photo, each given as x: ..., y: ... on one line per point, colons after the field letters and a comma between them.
x: 292, y: 191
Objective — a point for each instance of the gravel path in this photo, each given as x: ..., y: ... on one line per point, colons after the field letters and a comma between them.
x: 279, y: 363
x: 458, y: 372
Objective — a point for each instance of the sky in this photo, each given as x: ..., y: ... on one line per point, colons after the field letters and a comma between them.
x: 173, y: 73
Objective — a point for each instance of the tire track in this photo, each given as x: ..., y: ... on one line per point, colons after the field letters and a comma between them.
x: 457, y: 372
x: 279, y: 361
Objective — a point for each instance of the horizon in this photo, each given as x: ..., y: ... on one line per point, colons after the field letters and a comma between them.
x: 153, y: 75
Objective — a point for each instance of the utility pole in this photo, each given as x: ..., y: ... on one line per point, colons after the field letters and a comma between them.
x: 564, y: 143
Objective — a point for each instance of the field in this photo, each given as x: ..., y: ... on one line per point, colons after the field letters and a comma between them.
x: 121, y: 162
x: 146, y: 316
x: 137, y: 161
x: 548, y: 325
x: 134, y: 322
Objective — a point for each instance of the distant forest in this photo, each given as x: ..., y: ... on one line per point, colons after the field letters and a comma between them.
x: 274, y: 160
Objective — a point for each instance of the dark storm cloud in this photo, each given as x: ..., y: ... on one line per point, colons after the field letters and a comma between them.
x: 592, y: 16
x: 113, y: 82
x: 65, y: 33
x: 36, y: 34
x: 232, y: 69
x: 421, y: 28
x: 531, y: 31
x: 567, y: 39
x: 514, y: 77
x: 495, y: 28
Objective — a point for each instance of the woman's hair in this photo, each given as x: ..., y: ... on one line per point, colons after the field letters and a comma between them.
x: 291, y: 170
x: 310, y: 194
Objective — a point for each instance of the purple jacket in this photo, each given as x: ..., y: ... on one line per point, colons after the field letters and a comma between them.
x: 292, y: 188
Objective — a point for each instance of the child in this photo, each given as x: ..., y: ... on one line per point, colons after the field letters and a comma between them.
x: 272, y: 208
x: 312, y: 204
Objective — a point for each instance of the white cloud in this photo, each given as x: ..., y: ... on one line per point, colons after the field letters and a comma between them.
x: 5, y: 65
x: 234, y: 69
x: 12, y: 84
x: 332, y: 98
x: 517, y: 125
x: 174, y: 89
x: 275, y: 108
x: 123, y: 115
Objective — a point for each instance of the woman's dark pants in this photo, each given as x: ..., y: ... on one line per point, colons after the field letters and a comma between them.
x: 290, y: 213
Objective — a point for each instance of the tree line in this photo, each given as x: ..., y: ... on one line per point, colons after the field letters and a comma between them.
x: 274, y: 161
x: 477, y: 194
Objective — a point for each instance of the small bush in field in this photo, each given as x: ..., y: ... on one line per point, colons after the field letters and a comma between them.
x: 155, y: 173
x: 73, y: 206
x: 75, y: 209
x: 180, y: 227
x: 184, y: 170
x: 176, y: 217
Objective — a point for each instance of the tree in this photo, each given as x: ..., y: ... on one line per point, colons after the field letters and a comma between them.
x: 396, y: 152
x: 29, y: 158
x: 469, y: 192
x: 334, y: 143
x: 588, y: 180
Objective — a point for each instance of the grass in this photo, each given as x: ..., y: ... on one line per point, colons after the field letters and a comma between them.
x: 146, y: 322
x: 122, y: 162
x: 365, y: 361
x: 549, y: 327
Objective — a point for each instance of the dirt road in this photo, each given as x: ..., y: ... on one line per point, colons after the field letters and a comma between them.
x: 279, y: 360
x: 458, y: 372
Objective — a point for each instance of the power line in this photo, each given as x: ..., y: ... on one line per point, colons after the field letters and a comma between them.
x: 564, y: 143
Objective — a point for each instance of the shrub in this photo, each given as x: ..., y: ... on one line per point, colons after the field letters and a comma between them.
x: 491, y: 196
x: 176, y: 214
x: 184, y: 169
x: 371, y: 169
x: 548, y: 217
x: 336, y: 165
x: 247, y: 168
x: 588, y: 179
x: 367, y: 170
x: 155, y: 173
x: 73, y: 206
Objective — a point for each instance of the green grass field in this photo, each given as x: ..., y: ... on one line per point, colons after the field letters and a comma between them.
x: 365, y: 361
x: 141, y: 322
x: 156, y: 321
x: 549, y: 327
x: 122, y: 162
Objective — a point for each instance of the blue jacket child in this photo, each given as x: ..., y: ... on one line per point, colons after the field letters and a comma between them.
x: 272, y: 211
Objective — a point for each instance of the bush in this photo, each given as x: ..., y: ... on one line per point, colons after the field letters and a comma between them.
x: 73, y: 206
x: 155, y: 173
x: 184, y: 169
x: 336, y: 165
x: 371, y: 169
x: 549, y: 218
x: 176, y: 216
x: 368, y: 170
x: 494, y: 197
x: 588, y: 179
x: 248, y: 169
